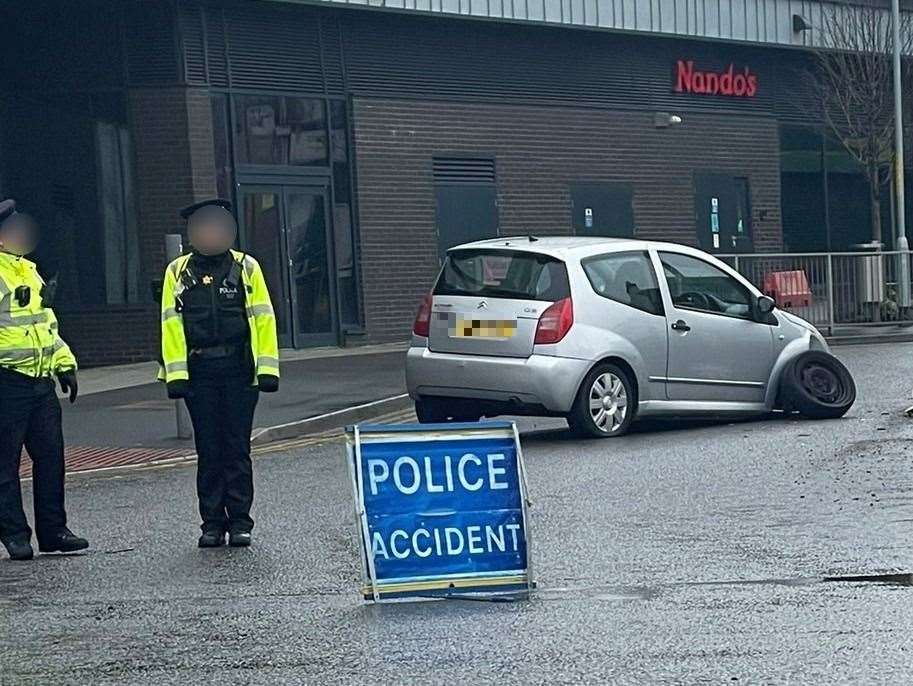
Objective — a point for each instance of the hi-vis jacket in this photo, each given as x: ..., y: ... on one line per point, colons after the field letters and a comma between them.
x: 260, y: 317
x: 29, y: 341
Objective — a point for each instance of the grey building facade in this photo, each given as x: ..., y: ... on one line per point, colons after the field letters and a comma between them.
x: 358, y: 142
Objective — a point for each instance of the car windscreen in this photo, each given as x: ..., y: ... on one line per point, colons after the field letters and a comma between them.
x: 511, y: 274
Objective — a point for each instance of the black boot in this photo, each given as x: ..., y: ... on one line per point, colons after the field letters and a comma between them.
x: 212, y: 539
x: 19, y: 549
x: 239, y: 539
x: 64, y: 541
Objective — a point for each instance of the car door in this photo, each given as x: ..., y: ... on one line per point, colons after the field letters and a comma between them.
x: 630, y: 308
x: 717, y: 351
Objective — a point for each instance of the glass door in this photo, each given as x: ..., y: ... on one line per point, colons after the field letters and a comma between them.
x: 307, y: 238
x: 262, y: 236
x: 287, y: 229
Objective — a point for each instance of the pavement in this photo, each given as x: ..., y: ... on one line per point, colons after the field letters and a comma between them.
x: 681, y: 553
x: 123, y: 415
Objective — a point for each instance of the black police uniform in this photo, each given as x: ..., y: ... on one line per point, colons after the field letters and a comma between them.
x: 222, y: 397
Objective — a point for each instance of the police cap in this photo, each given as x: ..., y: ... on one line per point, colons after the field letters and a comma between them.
x: 7, y: 209
x: 215, y: 202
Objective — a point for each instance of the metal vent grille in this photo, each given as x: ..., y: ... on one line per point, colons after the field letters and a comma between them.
x: 216, y: 47
x: 190, y: 23
x: 274, y: 48
x: 459, y: 170
x: 332, y: 56
x: 152, y: 56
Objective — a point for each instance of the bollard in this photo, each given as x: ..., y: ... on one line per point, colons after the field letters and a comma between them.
x: 174, y: 248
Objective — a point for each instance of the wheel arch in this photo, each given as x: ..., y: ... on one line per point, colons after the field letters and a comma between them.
x: 791, y: 351
x: 622, y: 364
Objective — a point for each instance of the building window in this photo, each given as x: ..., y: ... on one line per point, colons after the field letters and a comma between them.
x: 68, y: 161
x: 848, y: 205
x: 824, y: 193
x: 304, y: 141
x: 802, y: 189
x: 627, y: 278
x: 281, y: 130
x: 698, y: 285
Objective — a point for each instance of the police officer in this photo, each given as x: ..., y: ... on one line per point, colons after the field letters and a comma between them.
x: 219, y: 349
x: 31, y: 354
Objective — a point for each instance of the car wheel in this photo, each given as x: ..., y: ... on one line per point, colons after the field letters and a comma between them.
x: 443, y: 410
x: 817, y: 385
x: 606, y: 403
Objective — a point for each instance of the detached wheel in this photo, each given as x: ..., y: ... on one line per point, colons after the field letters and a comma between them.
x: 606, y: 403
x: 442, y: 410
x: 817, y: 385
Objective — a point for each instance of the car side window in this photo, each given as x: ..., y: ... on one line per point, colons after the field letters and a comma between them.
x: 627, y: 278
x: 697, y: 285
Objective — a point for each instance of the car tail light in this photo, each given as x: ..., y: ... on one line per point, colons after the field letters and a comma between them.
x: 422, y: 325
x: 555, y: 322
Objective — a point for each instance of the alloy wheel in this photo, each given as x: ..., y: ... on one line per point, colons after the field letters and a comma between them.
x: 608, y: 402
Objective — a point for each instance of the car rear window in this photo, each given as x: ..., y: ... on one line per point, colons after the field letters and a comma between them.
x: 503, y: 274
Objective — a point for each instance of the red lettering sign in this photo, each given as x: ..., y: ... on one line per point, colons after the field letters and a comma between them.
x: 730, y: 82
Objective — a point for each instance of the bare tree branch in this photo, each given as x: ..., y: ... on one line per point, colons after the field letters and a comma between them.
x: 853, y: 80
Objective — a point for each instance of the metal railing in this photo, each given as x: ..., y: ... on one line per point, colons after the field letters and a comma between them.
x: 832, y: 290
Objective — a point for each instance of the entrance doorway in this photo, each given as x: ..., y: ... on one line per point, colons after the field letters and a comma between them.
x: 287, y: 228
x: 722, y: 206
x: 603, y: 209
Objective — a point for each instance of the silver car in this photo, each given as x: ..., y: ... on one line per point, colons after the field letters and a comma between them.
x: 604, y: 331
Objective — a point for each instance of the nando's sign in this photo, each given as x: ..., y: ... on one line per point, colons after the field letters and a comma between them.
x: 732, y: 81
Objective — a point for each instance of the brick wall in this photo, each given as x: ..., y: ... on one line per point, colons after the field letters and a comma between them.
x: 172, y: 138
x: 539, y: 151
x: 112, y: 335
x: 174, y: 167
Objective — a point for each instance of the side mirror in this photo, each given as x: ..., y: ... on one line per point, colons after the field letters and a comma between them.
x: 766, y: 305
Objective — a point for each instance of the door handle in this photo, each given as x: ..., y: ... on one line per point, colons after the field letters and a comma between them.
x: 680, y: 325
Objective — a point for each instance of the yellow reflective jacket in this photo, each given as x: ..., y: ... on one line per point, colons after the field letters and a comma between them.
x: 261, y: 319
x: 29, y: 341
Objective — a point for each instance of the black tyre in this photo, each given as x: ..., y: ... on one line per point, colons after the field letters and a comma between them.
x: 442, y: 410
x: 817, y: 385
x: 606, y: 403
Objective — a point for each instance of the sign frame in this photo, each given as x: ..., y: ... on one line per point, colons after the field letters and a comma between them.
x: 514, y: 583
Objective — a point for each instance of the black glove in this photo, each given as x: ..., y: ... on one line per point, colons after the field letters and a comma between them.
x: 68, y: 384
x: 178, y: 389
x: 268, y: 383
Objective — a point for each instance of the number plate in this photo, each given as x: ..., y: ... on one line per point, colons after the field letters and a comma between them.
x: 466, y: 327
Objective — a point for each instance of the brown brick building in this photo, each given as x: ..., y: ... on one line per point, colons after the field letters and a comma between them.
x: 359, y: 144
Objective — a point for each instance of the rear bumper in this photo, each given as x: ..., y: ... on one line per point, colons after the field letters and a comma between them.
x: 539, y: 380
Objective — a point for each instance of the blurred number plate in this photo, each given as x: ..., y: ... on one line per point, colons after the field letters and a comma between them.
x: 464, y: 327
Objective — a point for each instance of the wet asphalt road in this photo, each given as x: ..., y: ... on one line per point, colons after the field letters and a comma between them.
x: 686, y: 553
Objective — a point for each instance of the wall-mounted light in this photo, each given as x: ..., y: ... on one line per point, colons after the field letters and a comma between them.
x: 663, y: 120
x: 800, y: 24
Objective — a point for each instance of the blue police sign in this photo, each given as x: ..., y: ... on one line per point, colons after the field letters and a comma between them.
x: 441, y: 508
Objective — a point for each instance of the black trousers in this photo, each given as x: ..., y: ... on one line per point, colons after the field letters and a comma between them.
x: 222, y: 413
x: 30, y: 415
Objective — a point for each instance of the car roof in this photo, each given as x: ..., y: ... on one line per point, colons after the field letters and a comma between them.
x: 571, y: 246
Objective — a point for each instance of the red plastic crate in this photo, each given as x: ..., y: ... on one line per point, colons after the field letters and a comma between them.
x: 788, y: 289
